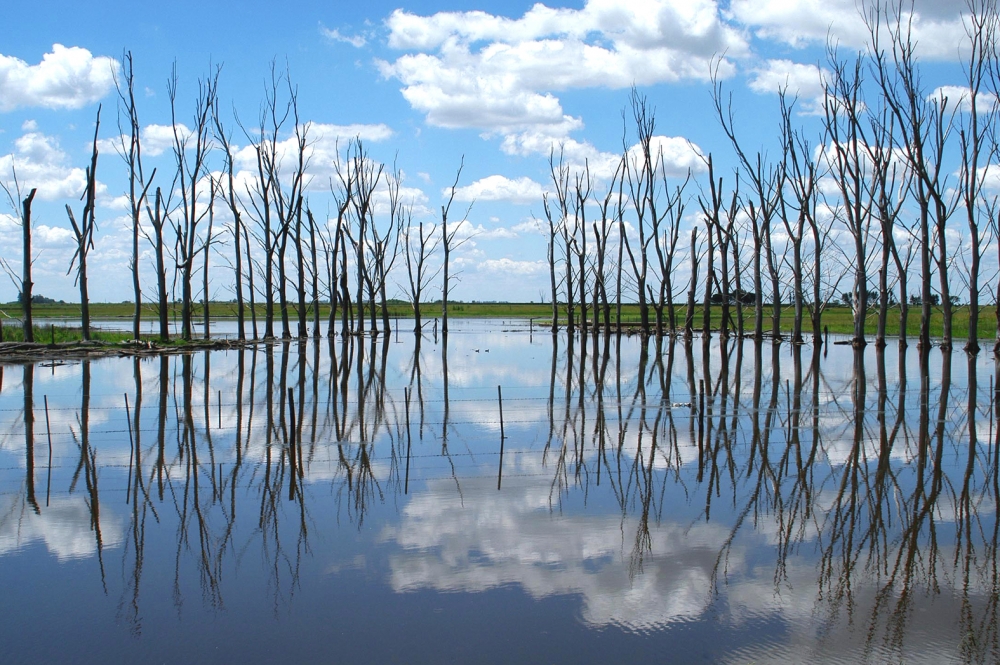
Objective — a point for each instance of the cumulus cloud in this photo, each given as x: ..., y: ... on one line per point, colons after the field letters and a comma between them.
x: 807, y: 82
x: 66, y: 78
x: 961, y: 97
x: 522, y: 190
x: 474, y: 69
x: 324, y: 143
x: 937, y: 24
x: 40, y: 163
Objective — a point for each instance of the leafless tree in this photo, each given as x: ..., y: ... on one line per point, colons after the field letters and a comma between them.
x: 924, y: 123
x: 22, y: 206
x: 765, y: 183
x: 130, y: 148
x: 641, y: 175
x: 191, y: 156
x: 84, y: 233
x: 449, y: 244
x: 418, y: 247
x: 236, y: 210
x: 977, y: 126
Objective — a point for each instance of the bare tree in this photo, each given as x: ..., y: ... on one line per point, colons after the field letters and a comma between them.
x: 449, y: 244
x: 765, y: 183
x: 235, y: 209
x: 84, y: 233
x: 977, y: 125
x: 130, y: 148
x: 924, y: 124
x: 557, y: 218
x: 22, y: 206
x: 847, y: 152
x: 640, y: 172
x: 158, y: 220
x: 418, y: 248
x: 191, y: 155
x: 609, y: 217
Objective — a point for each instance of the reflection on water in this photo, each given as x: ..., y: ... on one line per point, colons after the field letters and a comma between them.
x: 353, y: 498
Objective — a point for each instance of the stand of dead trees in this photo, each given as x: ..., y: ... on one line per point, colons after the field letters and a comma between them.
x: 893, y: 182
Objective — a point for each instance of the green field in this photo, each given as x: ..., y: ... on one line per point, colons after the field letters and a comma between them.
x: 838, y: 319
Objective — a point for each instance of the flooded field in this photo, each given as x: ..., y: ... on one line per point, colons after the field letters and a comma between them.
x: 505, y: 496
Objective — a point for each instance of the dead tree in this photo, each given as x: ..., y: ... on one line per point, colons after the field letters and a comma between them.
x: 692, y: 284
x: 386, y: 243
x: 765, y: 182
x: 583, y: 186
x: 130, y: 148
x: 846, y: 152
x: 209, y: 240
x: 418, y: 248
x: 449, y: 244
x: 158, y: 220
x: 977, y: 126
x: 924, y: 124
x: 235, y: 209
x: 798, y: 166
x: 363, y: 175
x: 314, y: 272
x: 602, y: 233
x: 84, y: 233
x: 191, y: 155
x: 22, y: 205
x: 640, y: 171
x: 557, y: 218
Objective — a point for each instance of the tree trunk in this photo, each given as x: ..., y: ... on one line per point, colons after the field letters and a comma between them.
x: 26, y: 283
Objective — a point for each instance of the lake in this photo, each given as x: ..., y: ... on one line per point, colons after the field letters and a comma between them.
x: 364, y: 500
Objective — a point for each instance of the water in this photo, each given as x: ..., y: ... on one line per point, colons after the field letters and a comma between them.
x: 694, y: 503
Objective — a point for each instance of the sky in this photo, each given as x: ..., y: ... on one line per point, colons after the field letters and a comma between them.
x: 427, y: 86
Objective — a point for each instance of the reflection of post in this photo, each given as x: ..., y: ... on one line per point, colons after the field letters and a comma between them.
x: 500, y: 469
x: 409, y: 440
x: 29, y: 434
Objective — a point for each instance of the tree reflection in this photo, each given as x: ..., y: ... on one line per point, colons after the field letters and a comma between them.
x: 868, y: 491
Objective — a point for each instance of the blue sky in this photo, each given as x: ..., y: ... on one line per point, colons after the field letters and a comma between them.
x: 425, y: 84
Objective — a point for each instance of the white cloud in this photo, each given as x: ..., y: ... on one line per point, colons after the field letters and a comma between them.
x: 475, y: 69
x: 937, y: 24
x: 66, y: 78
x: 324, y: 143
x: 499, y: 188
x: 961, y: 97
x: 40, y: 163
x: 529, y: 226
x: 798, y: 80
x: 514, y: 268
x: 29, y: 126
x: 333, y: 34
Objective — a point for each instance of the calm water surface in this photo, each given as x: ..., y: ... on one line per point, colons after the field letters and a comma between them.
x: 352, y: 500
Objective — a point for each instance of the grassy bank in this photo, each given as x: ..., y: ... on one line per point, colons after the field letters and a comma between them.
x: 838, y: 319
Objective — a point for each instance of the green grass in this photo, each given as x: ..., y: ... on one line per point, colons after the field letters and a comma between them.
x: 838, y: 319
x: 63, y: 335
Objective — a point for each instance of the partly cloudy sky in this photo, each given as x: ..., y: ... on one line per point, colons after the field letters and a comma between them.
x: 425, y: 85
